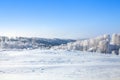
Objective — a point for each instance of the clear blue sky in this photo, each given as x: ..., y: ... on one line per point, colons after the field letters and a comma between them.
x: 59, y: 18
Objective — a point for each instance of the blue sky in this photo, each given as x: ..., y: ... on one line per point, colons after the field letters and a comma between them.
x: 59, y: 18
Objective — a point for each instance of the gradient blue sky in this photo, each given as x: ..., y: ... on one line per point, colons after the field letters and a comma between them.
x: 59, y: 18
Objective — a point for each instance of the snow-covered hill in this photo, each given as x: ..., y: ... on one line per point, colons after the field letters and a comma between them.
x: 102, y: 44
x: 58, y: 65
x: 30, y: 43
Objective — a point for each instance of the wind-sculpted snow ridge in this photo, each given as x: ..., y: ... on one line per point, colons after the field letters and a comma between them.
x: 102, y: 44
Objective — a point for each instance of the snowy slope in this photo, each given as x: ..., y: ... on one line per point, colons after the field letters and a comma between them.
x: 58, y: 65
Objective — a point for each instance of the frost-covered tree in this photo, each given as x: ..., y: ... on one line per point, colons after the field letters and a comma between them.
x: 115, y: 39
x: 103, y: 46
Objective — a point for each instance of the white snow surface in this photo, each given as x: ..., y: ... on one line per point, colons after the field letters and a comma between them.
x: 58, y: 65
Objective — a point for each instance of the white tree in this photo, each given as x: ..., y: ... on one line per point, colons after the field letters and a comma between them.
x: 115, y: 39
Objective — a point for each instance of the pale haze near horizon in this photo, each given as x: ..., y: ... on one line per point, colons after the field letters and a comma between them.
x: 59, y: 18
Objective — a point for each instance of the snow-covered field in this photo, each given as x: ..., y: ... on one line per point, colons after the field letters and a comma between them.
x: 58, y: 65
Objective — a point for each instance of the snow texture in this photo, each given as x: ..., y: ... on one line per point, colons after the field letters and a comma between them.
x: 58, y: 65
